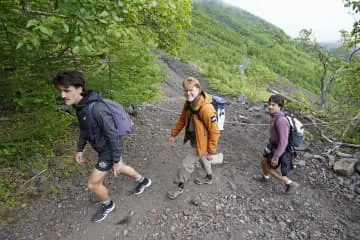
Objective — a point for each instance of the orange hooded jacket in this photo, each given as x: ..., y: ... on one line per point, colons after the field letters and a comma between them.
x: 206, y: 129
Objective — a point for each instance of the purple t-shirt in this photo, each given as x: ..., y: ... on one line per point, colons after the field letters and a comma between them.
x: 279, y: 134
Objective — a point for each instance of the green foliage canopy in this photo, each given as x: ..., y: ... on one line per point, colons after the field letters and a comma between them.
x: 110, y: 41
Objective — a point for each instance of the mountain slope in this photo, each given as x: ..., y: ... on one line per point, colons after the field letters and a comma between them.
x: 222, y: 37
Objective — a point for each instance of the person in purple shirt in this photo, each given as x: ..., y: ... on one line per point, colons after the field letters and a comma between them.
x: 277, y: 153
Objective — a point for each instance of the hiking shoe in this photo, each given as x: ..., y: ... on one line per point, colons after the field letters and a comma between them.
x: 142, y: 186
x: 291, y: 187
x: 201, y: 181
x: 262, y: 179
x: 103, y: 212
x: 174, y: 194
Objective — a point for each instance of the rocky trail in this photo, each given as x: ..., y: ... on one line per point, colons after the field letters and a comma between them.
x: 326, y: 206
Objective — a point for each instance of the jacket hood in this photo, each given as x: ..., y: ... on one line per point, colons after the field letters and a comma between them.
x: 90, y: 96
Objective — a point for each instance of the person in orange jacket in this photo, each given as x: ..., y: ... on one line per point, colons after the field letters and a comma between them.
x: 199, y: 119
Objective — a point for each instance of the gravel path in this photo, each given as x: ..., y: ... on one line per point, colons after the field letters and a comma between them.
x: 233, y: 207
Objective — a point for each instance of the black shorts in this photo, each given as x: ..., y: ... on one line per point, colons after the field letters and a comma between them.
x: 105, y: 161
x: 285, y: 161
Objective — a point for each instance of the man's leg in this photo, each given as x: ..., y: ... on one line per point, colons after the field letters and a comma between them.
x: 183, y: 173
x: 143, y: 182
x: 286, y: 167
x: 274, y: 173
x: 128, y: 171
x: 206, y: 164
x: 269, y: 169
x: 187, y: 167
x: 285, y: 162
x: 96, y: 185
x: 264, y: 166
x: 265, y: 177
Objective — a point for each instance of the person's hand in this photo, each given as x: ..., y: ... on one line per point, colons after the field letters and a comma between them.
x: 79, y: 158
x: 117, y: 168
x: 274, y: 162
x: 171, y: 140
x: 210, y: 157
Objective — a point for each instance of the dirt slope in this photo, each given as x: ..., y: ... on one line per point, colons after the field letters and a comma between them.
x: 234, y: 207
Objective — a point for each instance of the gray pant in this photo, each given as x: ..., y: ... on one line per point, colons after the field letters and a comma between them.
x: 188, y: 165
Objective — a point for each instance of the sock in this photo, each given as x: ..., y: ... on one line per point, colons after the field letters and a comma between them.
x: 208, y: 176
x: 288, y: 181
x: 266, y: 176
x: 140, y: 179
x: 108, y: 202
x: 181, y: 185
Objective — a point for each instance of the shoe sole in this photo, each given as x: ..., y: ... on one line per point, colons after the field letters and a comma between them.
x: 293, y: 190
x: 107, y: 213
x: 262, y: 180
x: 145, y: 186
x: 199, y: 182
x: 174, y: 196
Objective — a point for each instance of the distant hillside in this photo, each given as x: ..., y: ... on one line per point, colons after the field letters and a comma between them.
x: 335, y: 48
x: 331, y: 45
x: 222, y: 38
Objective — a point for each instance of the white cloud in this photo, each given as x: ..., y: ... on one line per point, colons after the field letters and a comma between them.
x: 325, y: 17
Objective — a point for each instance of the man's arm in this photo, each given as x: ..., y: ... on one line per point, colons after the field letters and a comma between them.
x: 82, y: 140
x: 181, y: 122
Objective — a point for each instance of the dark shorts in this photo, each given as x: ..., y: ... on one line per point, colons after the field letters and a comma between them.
x: 104, y: 162
x: 285, y: 161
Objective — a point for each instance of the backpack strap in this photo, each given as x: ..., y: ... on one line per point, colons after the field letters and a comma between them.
x: 293, y: 124
x: 197, y: 112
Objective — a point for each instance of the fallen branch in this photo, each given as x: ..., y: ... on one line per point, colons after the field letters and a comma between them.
x: 343, y: 155
x: 34, y: 177
x: 321, y: 132
x: 348, y: 145
x: 338, y: 144
x: 287, y: 97
x: 324, y: 174
x: 204, y: 225
x: 29, y: 10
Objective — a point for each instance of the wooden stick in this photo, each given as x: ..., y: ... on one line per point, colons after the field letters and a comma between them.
x: 34, y: 177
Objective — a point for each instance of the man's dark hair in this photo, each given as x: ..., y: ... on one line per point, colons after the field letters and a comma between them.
x: 69, y: 78
x: 278, y: 99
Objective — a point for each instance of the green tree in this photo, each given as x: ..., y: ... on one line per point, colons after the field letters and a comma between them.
x: 110, y: 41
x: 330, y: 66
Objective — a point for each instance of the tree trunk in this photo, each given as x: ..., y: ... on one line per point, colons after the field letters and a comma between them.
x: 322, y: 87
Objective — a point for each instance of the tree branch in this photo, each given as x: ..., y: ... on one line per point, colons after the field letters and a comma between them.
x: 339, y: 144
x: 353, y: 54
x: 44, y: 13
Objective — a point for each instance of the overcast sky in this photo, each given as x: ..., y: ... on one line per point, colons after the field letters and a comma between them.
x: 324, y: 17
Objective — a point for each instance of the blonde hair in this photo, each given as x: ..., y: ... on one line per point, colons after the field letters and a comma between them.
x: 191, y: 80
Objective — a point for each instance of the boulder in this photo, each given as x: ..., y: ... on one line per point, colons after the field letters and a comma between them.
x: 356, y: 155
x: 345, y: 166
x: 255, y: 109
x: 357, y: 166
x: 243, y: 99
